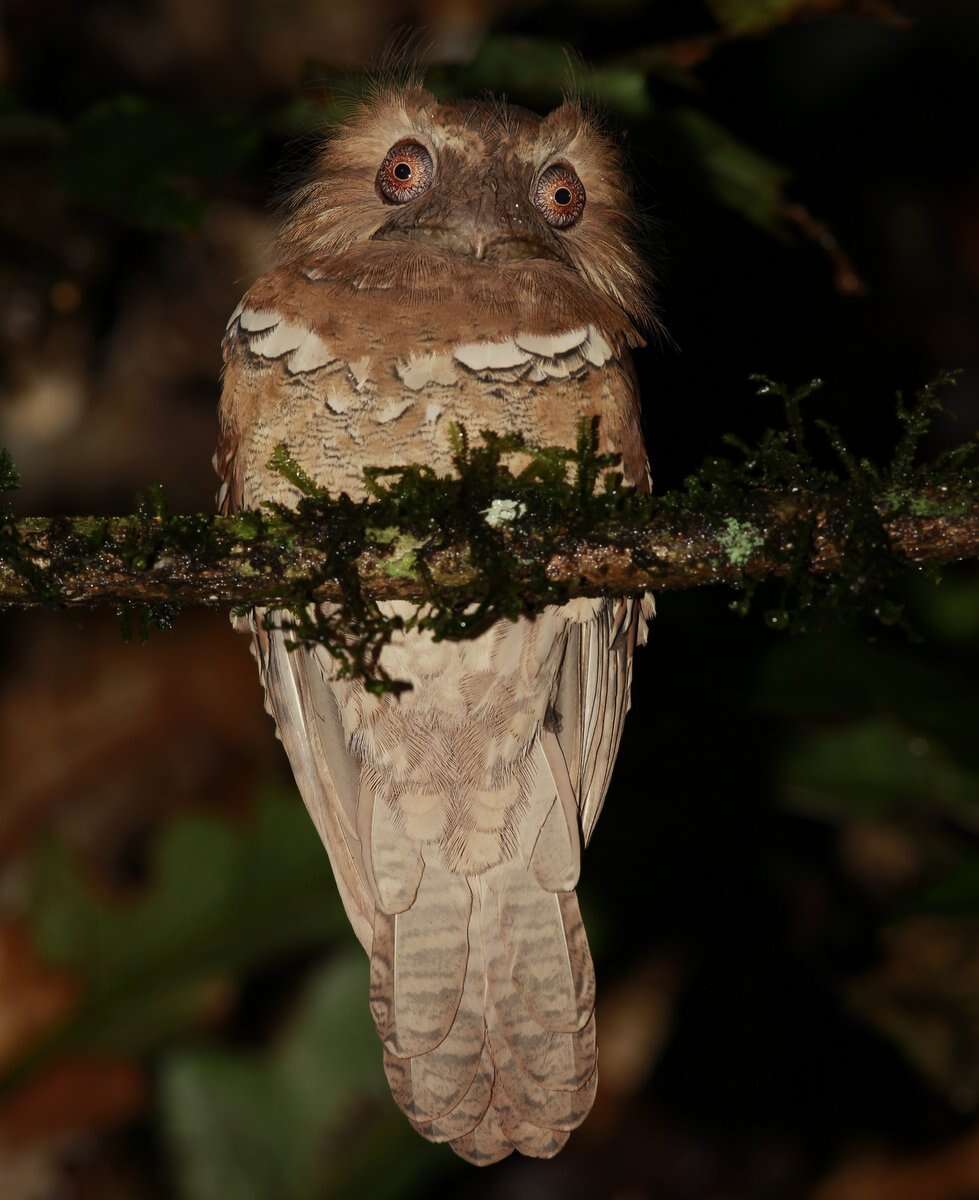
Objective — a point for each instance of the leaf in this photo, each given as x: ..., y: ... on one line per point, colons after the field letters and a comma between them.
x: 923, y: 995
x: 302, y: 1120
x: 20, y: 126
x: 956, y: 895
x: 836, y: 677
x: 145, y: 164
x: 739, y: 17
x: 33, y: 995
x: 86, y: 1093
x: 951, y: 609
x: 9, y: 477
x: 539, y: 71
x: 219, y: 899
x: 753, y: 16
x: 875, y: 769
x: 738, y: 176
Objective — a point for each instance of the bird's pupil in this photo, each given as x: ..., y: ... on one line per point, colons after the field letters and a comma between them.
x: 402, y: 171
x: 562, y: 196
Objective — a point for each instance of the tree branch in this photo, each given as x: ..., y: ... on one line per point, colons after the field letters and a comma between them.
x: 217, y: 561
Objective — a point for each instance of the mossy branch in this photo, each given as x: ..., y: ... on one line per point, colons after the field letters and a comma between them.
x: 488, y: 542
x: 88, y: 561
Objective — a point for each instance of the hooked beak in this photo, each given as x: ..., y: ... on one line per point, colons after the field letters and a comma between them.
x: 478, y: 244
x: 478, y: 231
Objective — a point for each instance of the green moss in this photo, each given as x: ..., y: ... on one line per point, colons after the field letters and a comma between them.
x: 9, y: 479
x: 283, y: 462
x: 416, y: 513
x: 936, y: 506
x: 385, y: 536
x: 561, y: 494
x: 403, y: 563
x: 924, y: 506
x: 244, y: 526
x: 138, y: 621
x: 812, y: 472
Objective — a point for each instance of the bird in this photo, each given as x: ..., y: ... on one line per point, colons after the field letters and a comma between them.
x: 454, y: 263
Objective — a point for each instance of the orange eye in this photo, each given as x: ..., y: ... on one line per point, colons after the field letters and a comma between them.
x: 405, y: 173
x: 560, y: 195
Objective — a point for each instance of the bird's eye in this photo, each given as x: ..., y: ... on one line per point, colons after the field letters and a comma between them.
x: 560, y: 195
x: 405, y: 173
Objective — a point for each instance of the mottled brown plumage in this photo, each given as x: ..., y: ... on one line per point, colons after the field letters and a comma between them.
x: 472, y: 264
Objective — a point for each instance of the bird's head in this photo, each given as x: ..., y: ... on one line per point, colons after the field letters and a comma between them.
x: 409, y: 189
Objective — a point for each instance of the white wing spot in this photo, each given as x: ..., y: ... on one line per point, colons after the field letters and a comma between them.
x: 254, y: 320
x: 279, y: 340
x: 557, y: 368
x: 596, y: 349
x: 540, y: 356
x: 491, y: 356
x: 336, y: 401
x: 312, y: 354
x: 392, y: 411
x: 360, y: 370
x: 422, y: 369
x: 550, y: 345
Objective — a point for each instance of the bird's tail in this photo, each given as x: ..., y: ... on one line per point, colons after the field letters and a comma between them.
x: 483, y: 992
x: 482, y: 985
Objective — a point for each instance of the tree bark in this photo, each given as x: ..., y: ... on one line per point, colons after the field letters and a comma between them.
x: 88, y: 561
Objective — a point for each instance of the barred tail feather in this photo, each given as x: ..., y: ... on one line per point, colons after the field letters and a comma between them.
x: 517, y: 1067
x: 482, y: 986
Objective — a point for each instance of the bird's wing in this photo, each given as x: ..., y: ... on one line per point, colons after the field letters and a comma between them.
x: 452, y: 816
x: 593, y: 692
x: 593, y: 697
x: 297, y: 682
x: 299, y: 697
x: 226, y: 462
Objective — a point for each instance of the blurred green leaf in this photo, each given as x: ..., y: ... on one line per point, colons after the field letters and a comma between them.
x: 831, y: 678
x: 951, y: 608
x: 304, y: 116
x: 737, y: 176
x: 303, y: 1120
x: 956, y: 895
x: 875, y: 769
x: 220, y: 898
x: 752, y: 16
x: 145, y: 164
x: 9, y: 475
x: 539, y: 72
x: 923, y: 993
x: 19, y: 125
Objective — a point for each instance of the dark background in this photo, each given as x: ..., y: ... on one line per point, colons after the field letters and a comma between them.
x: 782, y: 894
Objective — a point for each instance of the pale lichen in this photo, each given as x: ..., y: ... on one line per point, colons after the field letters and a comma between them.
x: 740, y: 541
x: 503, y: 512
